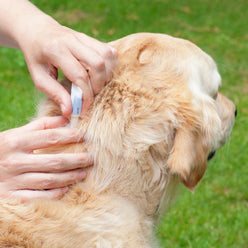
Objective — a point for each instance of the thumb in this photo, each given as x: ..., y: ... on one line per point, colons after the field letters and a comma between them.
x: 87, y: 95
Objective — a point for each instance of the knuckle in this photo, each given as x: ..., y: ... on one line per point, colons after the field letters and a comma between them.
x: 57, y: 163
x: 48, y: 182
x: 99, y: 64
x: 9, y: 164
x: 81, y: 76
x: 57, y: 194
x: 72, y: 176
x: 53, y: 138
x: 44, y: 122
x: 14, y: 145
x: 110, y: 53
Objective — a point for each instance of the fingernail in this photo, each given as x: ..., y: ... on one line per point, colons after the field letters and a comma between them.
x: 60, y: 192
x: 91, y: 159
x: 64, y: 190
x: 66, y: 112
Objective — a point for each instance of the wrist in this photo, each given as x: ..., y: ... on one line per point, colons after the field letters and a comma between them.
x: 19, y: 20
x: 29, y: 29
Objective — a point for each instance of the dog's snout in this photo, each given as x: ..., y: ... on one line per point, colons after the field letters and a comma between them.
x: 236, y: 112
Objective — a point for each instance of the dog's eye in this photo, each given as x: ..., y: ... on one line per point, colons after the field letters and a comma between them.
x: 211, y: 155
x: 215, y: 96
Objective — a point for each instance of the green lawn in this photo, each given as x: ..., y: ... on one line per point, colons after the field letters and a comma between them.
x: 216, y: 214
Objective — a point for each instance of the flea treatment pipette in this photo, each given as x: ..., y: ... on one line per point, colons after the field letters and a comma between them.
x: 76, y: 100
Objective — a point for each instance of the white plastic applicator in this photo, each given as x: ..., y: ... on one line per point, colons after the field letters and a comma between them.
x: 76, y: 100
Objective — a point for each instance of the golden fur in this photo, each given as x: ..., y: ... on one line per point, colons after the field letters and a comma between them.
x: 158, y: 119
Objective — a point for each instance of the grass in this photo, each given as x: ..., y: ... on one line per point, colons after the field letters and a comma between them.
x: 216, y: 214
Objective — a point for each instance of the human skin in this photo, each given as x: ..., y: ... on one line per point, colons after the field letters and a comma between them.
x: 47, y: 46
x: 27, y: 175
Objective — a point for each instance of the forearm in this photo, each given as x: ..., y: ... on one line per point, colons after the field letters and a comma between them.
x: 16, y: 16
x: 48, y: 46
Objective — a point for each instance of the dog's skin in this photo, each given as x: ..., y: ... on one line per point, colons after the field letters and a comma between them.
x: 156, y: 121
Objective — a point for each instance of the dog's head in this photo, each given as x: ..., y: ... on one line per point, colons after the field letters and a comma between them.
x: 174, y: 87
x: 161, y: 115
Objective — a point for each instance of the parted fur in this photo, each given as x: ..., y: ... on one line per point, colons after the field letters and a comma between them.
x: 158, y: 119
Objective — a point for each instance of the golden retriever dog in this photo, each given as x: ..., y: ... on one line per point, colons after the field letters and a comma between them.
x: 153, y: 126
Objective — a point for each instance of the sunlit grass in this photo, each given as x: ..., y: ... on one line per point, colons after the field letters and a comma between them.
x: 216, y: 214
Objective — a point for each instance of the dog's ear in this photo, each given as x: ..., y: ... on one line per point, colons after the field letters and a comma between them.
x: 146, y: 53
x: 188, y: 157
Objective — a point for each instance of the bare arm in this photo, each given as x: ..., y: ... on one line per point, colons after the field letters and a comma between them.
x: 48, y: 46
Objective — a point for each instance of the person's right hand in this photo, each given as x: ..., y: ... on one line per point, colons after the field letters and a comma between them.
x: 26, y: 175
x: 47, y: 46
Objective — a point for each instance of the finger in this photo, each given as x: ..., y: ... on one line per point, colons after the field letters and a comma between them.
x: 87, y: 97
x: 42, y: 181
x: 46, y: 138
x: 45, y: 123
x: 52, y: 88
x: 110, y: 57
x: 26, y: 136
x: 107, y: 54
x: 111, y: 64
x: 52, y: 163
x: 28, y: 195
x: 77, y: 74
x: 93, y: 62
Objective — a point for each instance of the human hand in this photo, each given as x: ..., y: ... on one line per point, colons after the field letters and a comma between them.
x: 48, y: 46
x: 26, y: 175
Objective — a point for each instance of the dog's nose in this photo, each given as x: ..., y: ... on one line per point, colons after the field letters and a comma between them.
x: 236, y: 112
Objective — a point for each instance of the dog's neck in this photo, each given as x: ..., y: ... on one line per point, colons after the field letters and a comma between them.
x: 130, y: 154
x: 141, y: 181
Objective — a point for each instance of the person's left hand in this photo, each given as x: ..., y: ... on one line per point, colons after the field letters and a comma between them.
x: 28, y: 175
